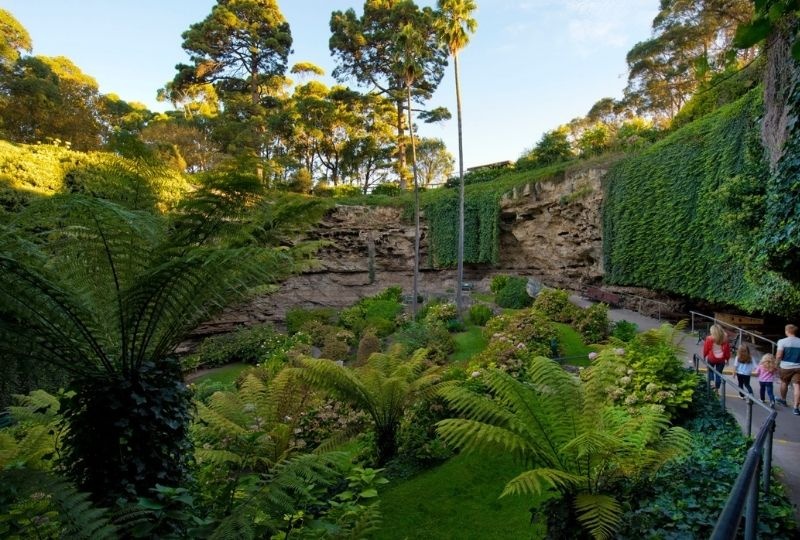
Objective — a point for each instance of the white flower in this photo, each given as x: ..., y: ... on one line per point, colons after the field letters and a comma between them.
x: 619, y: 352
x: 475, y: 374
x: 592, y: 355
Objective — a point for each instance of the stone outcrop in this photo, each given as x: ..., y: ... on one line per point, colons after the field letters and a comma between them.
x: 549, y: 230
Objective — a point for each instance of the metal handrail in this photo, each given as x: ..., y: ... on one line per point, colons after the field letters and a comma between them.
x: 744, y: 495
x: 740, y: 330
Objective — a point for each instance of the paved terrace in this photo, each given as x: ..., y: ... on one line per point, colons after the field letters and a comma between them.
x: 786, y: 442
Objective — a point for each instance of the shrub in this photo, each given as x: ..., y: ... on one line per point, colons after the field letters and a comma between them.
x: 335, y: 344
x: 556, y: 305
x: 515, y: 294
x: 683, y: 500
x: 379, y: 313
x: 417, y: 440
x: 391, y: 189
x: 624, y: 330
x: 431, y: 335
x: 441, y: 311
x: 593, y: 324
x: 514, y: 340
x: 651, y: 373
x: 248, y: 345
x: 480, y: 314
x: 499, y: 282
x: 369, y: 344
x: 298, y: 318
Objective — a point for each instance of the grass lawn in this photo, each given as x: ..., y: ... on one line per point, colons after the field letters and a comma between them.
x: 458, y: 500
x: 572, y: 345
x: 225, y: 374
x: 486, y: 298
x: 468, y: 344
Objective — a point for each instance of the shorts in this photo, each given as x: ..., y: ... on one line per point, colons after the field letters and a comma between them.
x: 791, y: 375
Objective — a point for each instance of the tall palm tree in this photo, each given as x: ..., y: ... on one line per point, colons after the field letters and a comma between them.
x: 106, y: 293
x: 579, y: 445
x: 384, y: 388
x: 455, y: 24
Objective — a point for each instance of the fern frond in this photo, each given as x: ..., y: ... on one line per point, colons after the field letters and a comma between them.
x: 599, y: 514
x: 471, y: 436
x: 541, y: 480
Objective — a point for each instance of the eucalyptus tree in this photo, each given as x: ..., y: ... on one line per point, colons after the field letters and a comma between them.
x: 106, y: 293
x: 47, y: 97
x: 691, y: 40
x: 14, y: 39
x: 242, y: 49
x: 410, y: 47
x: 366, y: 47
x: 455, y: 23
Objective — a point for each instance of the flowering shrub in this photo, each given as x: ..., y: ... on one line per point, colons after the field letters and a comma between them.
x: 444, y: 311
x: 649, y: 372
x: 514, y: 339
x: 256, y: 344
x: 329, y: 418
x: 593, y: 323
x: 556, y: 305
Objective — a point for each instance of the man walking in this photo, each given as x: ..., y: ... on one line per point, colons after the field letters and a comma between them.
x: 789, y: 356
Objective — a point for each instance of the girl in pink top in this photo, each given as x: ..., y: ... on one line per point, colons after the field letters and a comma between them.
x: 766, y: 371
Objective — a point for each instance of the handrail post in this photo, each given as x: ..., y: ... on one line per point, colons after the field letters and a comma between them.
x: 749, y: 415
x: 768, y: 459
x: 723, y: 389
x: 751, y: 510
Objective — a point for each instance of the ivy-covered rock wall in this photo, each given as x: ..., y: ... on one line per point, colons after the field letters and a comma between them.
x: 686, y: 215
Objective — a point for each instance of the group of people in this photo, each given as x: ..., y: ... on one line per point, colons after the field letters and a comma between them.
x: 783, y: 366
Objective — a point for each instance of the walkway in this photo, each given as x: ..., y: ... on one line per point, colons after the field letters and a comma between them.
x: 786, y: 442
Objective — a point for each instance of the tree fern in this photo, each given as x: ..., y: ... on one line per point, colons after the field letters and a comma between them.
x: 383, y: 388
x: 72, y: 514
x: 105, y: 293
x: 579, y: 447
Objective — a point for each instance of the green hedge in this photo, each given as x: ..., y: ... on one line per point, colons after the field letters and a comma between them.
x: 681, y: 215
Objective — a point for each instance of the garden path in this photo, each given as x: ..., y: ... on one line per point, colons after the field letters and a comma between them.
x: 786, y: 442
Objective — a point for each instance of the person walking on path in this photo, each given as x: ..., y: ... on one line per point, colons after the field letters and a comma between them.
x: 766, y: 371
x: 744, y: 368
x: 789, y: 356
x: 717, y: 351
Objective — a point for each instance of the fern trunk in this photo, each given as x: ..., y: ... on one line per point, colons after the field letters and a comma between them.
x: 128, y: 433
x: 386, y: 442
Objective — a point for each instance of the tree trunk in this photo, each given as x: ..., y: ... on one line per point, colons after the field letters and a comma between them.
x: 416, y: 208
x: 460, y: 270
x: 400, y: 164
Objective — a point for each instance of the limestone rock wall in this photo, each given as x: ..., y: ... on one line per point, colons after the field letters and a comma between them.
x: 549, y: 230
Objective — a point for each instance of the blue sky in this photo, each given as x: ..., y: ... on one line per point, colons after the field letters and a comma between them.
x: 532, y: 65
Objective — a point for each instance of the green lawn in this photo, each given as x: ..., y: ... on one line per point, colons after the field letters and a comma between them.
x: 225, y: 374
x: 486, y: 298
x: 458, y: 500
x: 572, y: 345
x: 468, y: 344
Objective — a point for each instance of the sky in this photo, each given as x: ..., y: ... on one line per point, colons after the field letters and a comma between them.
x: 532, y: 64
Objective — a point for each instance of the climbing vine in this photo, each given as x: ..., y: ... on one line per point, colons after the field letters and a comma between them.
x: 481, y: 228
x: 686, y: 214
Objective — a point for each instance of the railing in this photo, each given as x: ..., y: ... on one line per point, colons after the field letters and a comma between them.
x: 744, y: 495
x: 741, y: 331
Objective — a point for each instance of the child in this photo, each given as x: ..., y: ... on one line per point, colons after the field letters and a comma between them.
x: 743, y: 367
x: 766, y: 371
